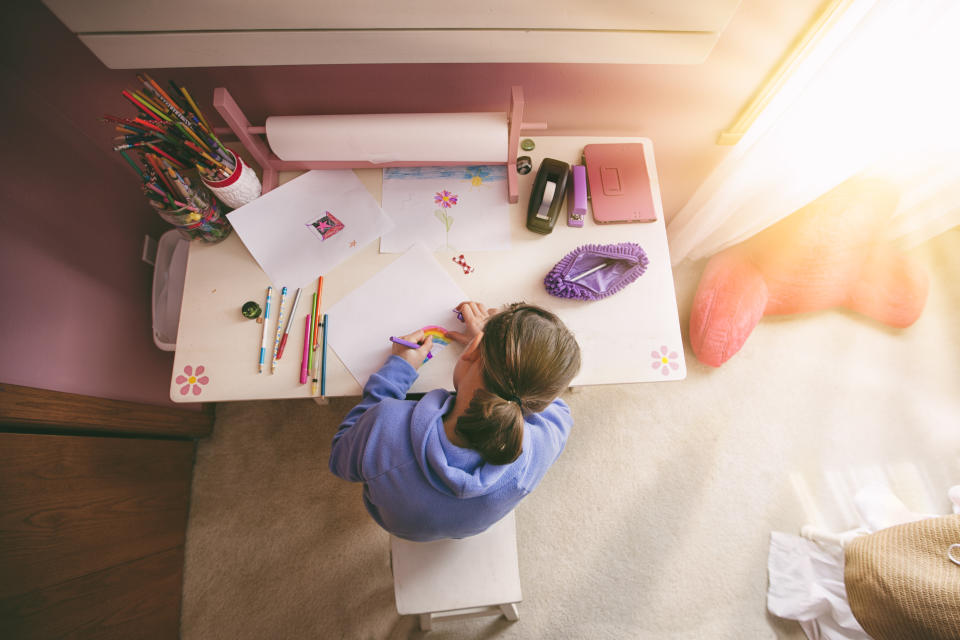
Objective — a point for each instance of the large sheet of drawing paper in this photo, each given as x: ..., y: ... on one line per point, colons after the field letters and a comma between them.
x: 413, y: 292
x: 308, y: 226
x: 454, y: 208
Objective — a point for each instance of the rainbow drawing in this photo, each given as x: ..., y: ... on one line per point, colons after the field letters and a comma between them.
x: 440, y: 339
x: 438, y: 333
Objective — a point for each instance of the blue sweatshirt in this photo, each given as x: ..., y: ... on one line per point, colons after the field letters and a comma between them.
x: 417, y: 485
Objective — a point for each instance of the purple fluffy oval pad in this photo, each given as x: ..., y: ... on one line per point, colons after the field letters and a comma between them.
x: 592, y: 271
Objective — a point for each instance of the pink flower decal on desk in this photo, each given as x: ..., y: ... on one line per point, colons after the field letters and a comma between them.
x: 665, y: 361
x: 191, y: 379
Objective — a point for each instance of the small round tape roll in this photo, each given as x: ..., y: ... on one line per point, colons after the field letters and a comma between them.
x: 549, y: 189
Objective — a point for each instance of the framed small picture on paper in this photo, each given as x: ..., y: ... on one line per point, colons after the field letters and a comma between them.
x: 326, y: 226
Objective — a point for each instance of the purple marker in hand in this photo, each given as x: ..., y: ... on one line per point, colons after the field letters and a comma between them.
x: 408, y: 344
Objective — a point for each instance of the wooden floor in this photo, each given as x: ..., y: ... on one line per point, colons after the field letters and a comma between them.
x: 92, y: 533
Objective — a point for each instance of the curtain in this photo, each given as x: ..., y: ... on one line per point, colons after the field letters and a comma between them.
x: 878, y: 95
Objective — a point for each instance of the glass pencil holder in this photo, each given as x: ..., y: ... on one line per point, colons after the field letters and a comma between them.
x: 202, y: 219
x: 239, y: 188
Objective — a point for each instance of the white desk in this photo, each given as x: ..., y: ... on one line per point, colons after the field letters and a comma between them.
x: 618, y: 335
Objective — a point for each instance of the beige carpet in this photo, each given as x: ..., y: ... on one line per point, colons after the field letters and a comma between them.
x: 653, y: 524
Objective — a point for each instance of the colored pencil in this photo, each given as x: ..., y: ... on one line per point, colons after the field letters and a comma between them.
x: 139, y: 105
x: 150, y: 82
x: 313, y: 329
x: 155, y: 107
x: 306, y: 350
x: 316, y: 309
x: 193, y: 105
x: 167, y: 156
x: 276, y: 339
x: 323, y: 370
x: 169, y: 123
x: 177, y: 203
x: 286, y: 331
x: 132, y: 164
x: 263, y: 339
x: 314, y: 357
x: 316, y: 360
x: 313, y: 376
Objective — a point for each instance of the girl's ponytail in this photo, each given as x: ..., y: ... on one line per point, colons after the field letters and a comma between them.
x: 528, y: 358
x: 493, y: 426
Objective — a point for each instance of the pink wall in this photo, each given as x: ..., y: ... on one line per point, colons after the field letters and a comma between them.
x: 75, y: 296
x: 73, y: 218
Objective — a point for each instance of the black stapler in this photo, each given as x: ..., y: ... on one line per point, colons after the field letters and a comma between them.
x: 546, y: 198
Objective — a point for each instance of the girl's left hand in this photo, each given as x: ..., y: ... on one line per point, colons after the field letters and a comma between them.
x: 474, y: 314
x: 415, y: 357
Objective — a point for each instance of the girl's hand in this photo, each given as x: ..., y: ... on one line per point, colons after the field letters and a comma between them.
x: 415, y: 357
x: 475, y: 315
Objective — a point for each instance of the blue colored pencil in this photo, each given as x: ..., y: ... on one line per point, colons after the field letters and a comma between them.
x: 323, y: 366
x: 263, y: 339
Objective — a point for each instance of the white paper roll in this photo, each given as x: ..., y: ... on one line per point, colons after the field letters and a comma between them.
x: 416, y: 137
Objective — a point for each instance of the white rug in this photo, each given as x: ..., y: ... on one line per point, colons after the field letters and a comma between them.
x: 655, y: 521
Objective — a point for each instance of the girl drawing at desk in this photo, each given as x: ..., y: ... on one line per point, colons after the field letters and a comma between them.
x: 451, y: 465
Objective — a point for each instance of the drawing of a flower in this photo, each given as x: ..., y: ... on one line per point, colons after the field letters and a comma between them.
x: 191, y: 379
x: 445, y: 199
x: 665, y: 361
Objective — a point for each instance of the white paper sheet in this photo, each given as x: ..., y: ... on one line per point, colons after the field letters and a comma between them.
x: 411, y: 293
x: 277, y: 228
x: 455, y: 208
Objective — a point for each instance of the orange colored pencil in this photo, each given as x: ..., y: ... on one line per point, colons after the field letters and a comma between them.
x: 160, y: 91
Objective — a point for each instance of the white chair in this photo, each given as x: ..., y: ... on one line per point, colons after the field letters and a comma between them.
x: 449, y: 579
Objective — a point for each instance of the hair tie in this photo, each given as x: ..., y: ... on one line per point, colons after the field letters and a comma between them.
x: 515, y: 400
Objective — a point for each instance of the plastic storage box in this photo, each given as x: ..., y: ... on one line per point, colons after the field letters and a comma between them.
x: 169, y: 272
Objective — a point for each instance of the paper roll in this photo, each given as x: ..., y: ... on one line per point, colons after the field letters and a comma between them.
x: 379, y: 138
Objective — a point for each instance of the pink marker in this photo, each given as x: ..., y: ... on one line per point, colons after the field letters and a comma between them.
x: 306, y: 351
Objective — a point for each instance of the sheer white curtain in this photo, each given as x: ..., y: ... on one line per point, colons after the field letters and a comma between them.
x: 879, y: 94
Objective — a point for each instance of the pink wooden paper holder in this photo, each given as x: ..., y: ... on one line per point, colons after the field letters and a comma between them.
x: 249, y: 137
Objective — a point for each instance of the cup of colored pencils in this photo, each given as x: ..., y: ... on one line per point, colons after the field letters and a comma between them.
x: 172, y: 139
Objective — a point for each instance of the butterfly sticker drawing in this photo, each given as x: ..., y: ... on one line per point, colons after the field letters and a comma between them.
x: 326, y: 226
x: 453, y: 208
